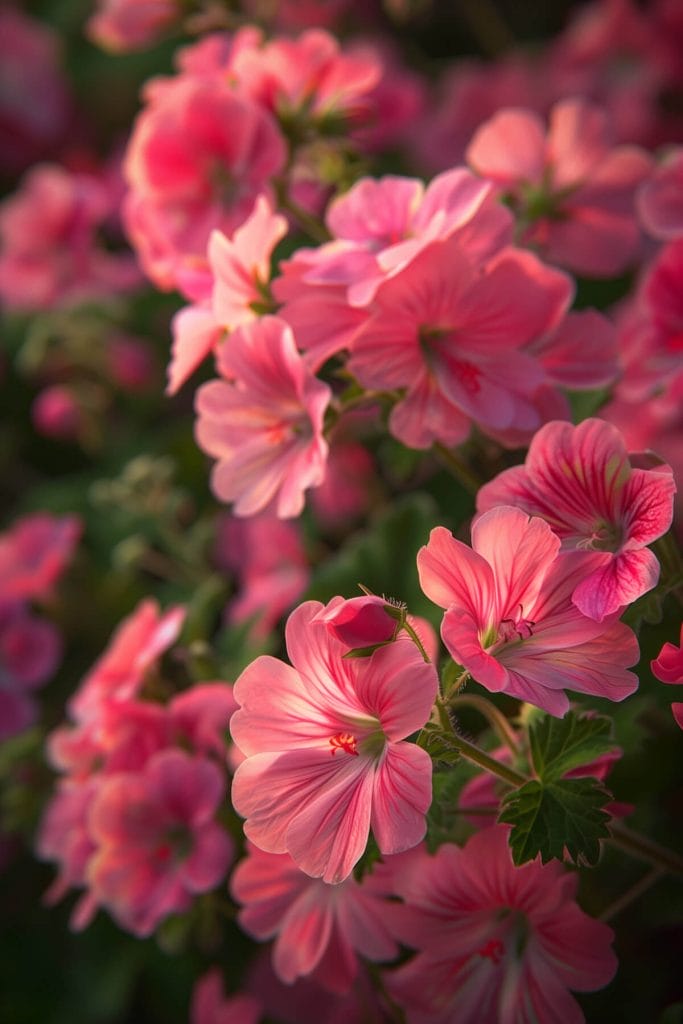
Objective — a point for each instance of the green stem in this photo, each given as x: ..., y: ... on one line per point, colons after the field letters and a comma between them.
x: 632, y: 842
x: 494, y: 717
x: 479, y: 757
x: 313, y: 226
x: 460, y: 470
x: 646, y: 849
x: 635, y: 892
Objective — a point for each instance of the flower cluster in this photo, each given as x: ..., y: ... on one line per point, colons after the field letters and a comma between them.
x: 423, y: 325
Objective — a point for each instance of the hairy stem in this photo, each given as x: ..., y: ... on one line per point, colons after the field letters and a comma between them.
x: 494, y: 717
x: 460, y: 470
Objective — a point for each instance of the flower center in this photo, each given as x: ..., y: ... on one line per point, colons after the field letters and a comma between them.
x: 493, y: 950
x: 437, y: 344
x: 344, y: 741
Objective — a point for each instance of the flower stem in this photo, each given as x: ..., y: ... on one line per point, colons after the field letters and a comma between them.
x: 632, y: 842
x: 641, y: 886
x: 480, y: 757
x: 494, y: 717
x: 646, y: 849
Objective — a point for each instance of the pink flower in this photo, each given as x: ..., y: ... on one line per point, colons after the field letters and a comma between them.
x: 201, y: 715
x: 454, y: 338
x: 30, y: 649
x: 51, y: 255
x: 209, y: 1005
x: 157, y: 842
x: 57, y: 413
x: 495, y: 942
x: 123, y: 25
x: 580, y: 480
x: 325, y: 753
x: 263, y: 421
x: 199, y: 155
x: 319, y: 929
x: 510, y: 620
x: 668, y: 667
x: 349, y: 486
x: 660, y: 199
x: 573, y: 192
x: 34, y: 103
x: 308, y: 78
x: 133, y: 649
x: 239, y: 272
x: 268, y: 557
x: 34, y: 553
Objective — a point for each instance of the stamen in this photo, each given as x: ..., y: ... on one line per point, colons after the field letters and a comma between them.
x: 344, y: 741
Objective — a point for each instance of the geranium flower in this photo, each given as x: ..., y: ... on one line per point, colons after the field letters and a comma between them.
x: 580, y: 480
x: 157, y: 842
x: 319, y: 929
x: 668, y: 668
x: 496, y: 943
x: 510, y: 620
x: 573, y: 191
x: 263, y: 421
x: 325, y: 753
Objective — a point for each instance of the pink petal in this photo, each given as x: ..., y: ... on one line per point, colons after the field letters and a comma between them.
x: 451, y: 573
x: 509, y: 147
x: 397, y: 687
x: 401, y: 797
x: 622, y: 580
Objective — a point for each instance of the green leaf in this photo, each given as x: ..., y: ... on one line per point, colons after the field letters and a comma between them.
x: 560, y: 744
x: 548, y: 818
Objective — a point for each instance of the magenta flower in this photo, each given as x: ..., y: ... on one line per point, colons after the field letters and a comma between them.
x: 319, y: 929
x: 660, y: 198
x: 574, y: 192
x: 34, y: 553
x: 263, y: 421
x: 496, y: 943
x: 510, y: 620
x: 668, y: 668
x: 210, y: 1006
x: 580, y: 480
x: 325, y: 753
x: 30, y: 649
x: 157, y: 842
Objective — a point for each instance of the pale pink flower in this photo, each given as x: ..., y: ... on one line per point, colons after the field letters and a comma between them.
x: 660, y: 199
x: 237, y: 278
x: 263, y: 421
x: 325, y: 753
x: 509, y: 617
x: 268, y: 557
x: 157, y: 842
x: 580, y: 480
x: 34, y: 553
x: 210, y: 1006
x: 454, y: 338
x: 134, y: 648
x: 319, y: 929
x: 668, y: 668
x: 362, y: 621
x: 496, y: 943
x: 573, y: 192
x: 199, y: 155
x: 123, y: 25
x: 51, y: 255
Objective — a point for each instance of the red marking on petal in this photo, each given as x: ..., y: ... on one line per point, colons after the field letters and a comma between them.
x: 493, y: 949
